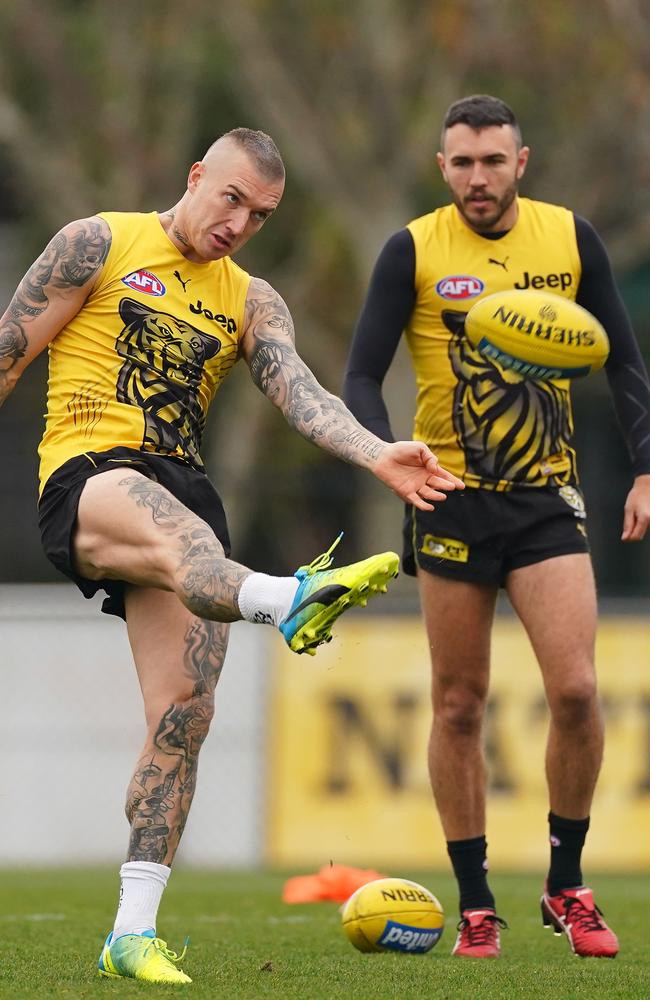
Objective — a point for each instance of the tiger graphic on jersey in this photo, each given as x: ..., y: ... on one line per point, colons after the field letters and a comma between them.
x: 507, y: 425
x: 161, y: 374
x: 491, y: 427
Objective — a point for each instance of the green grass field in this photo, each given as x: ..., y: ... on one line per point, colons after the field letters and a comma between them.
x: 246, y: 943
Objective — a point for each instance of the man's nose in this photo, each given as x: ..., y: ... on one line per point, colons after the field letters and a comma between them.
x: 478, y: 177
x: 238, y: 219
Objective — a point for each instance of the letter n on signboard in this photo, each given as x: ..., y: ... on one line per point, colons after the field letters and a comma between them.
x: 385, y: 736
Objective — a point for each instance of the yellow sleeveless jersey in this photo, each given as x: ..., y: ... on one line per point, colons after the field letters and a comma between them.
x: 490, y: 426
x: 138, y: 366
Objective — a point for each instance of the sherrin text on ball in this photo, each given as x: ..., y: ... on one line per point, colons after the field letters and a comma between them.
x: 537, y: 334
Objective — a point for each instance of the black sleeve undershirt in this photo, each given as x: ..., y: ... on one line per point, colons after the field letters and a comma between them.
x: 625, y: 368
x: 386, y: 311
x: 389, y: 304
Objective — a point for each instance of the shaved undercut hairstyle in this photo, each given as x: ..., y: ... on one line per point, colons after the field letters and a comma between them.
x: 480, y: 111
x: 261, y: 149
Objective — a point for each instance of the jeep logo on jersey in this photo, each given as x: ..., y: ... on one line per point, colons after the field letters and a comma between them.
x: 144, y: 281
x: 459, y: 286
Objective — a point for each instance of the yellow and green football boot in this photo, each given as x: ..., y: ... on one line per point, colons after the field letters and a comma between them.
x: 141, y: 956
x: 323, y: 594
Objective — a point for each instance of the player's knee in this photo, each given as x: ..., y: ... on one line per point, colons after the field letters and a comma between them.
x: 197, y: 574
x: 574, y: 702
x: 460, y: 710
x: 90, y: 555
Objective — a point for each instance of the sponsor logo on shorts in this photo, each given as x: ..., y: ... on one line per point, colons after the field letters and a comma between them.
x: 573, y: 498
x: 445, y: 548
x: 144, y: 281
x: 401, y: 937
x: 459, y: 286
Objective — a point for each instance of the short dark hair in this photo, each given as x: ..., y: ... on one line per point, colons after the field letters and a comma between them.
x: 261, y: 149
x: 480, y: 111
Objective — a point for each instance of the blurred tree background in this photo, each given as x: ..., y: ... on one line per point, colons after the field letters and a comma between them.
x: 103, y: 106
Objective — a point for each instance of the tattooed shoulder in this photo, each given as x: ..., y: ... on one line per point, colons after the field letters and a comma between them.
x: 267, y: 313
x: 71, y: 259
x: 83, y: 247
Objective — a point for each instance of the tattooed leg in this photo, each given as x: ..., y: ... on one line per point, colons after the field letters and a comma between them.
x: 178, y: 673
x: 133, y: 529
x: 162, y: 787
x: 206, y: 582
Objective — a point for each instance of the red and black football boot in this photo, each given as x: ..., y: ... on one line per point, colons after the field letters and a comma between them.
x: 574, y: 913
x: 478, y: 934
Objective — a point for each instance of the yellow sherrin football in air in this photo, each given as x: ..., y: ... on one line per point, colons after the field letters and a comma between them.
x: 393, y: 914
x: 537, y: 334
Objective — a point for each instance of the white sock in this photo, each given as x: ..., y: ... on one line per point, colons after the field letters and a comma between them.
x: 266, y: 600
x: 141, y: 888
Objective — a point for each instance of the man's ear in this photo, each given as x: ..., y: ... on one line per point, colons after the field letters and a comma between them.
x: 196, y: 173
x: 522, y: 161
x: 441, y: 163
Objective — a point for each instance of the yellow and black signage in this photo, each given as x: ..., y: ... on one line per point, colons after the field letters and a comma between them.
x: 348, y: 742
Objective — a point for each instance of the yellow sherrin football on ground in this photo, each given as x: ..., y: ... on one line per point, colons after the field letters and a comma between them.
x: 393, y: 914
x: 537, y: 334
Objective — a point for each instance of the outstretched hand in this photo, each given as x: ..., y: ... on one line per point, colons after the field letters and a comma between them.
x: 636, y: 516
x: 412, y: 471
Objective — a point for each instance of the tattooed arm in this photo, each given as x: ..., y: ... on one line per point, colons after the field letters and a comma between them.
x: 51, y: 293
x: 407, y: 467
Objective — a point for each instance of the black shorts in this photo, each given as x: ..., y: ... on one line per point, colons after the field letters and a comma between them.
x: 480, y: 536
x: 57, y: 508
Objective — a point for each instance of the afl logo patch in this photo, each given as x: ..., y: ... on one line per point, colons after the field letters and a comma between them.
x: 459, y: 286
x: 144, y: 281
